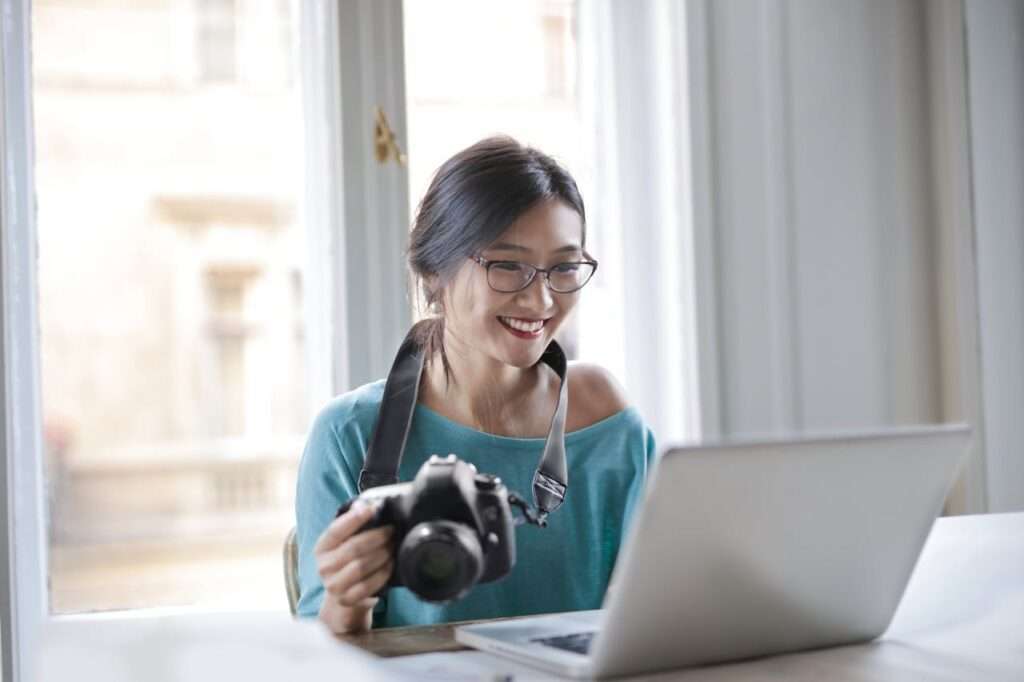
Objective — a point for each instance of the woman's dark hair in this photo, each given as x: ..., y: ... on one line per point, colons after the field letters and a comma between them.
x: 474, y: 197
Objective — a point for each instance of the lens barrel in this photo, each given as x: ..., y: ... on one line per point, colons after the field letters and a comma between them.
x: 440, y: 560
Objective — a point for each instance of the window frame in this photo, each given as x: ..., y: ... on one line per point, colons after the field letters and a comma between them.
x: 352, y: 218
x: 25, y: 601
x: 355, y: 206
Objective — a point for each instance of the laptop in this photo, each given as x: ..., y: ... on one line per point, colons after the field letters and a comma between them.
x: 747, y: 549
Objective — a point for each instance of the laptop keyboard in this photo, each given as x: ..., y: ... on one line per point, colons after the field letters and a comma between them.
x: 578, y: 642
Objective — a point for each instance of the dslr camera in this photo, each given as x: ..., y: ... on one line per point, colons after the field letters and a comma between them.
x: 453, y: 528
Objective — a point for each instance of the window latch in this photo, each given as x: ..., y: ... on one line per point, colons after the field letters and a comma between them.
x: 385, y: 144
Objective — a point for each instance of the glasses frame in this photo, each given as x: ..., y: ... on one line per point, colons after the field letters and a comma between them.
x: 487, y: 264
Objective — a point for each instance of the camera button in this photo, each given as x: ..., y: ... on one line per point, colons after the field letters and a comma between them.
x: 486, y: 482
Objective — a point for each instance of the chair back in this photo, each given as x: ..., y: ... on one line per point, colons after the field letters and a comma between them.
x: 291, y: 570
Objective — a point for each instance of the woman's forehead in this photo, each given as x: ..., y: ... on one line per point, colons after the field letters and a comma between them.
x: 549, y: 227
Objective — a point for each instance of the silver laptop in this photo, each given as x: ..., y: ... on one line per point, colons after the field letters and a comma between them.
x: 747, y: 549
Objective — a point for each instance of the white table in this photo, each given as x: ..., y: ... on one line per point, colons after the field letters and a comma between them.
x: 962, y: 618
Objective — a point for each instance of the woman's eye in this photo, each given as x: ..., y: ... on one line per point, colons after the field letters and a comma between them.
x: 566, y: 267
x: 508, y: 267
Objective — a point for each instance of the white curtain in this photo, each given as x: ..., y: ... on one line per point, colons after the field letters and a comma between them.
x: 633, y: 88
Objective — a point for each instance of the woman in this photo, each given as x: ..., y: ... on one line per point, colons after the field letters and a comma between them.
x: 498, y: 249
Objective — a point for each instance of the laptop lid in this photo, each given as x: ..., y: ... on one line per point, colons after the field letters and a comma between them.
x: 753, y: 548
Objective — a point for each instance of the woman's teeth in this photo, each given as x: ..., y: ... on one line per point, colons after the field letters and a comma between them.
x: 528, y: 326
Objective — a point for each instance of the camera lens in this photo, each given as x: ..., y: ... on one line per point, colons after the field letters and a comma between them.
x: 436, y: 563
x: 440, y: 560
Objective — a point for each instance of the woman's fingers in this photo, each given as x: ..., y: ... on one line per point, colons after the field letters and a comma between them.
x: 356, y: 571
x: 354, y: 564
x: 329, y: 563
x: 371, y: 585
x: 344, y: 527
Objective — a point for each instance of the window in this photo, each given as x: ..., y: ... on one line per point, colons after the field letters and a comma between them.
x: 171, y: 265
x: 559, y: 50
x: 172, y: 276
x: 229, y: 335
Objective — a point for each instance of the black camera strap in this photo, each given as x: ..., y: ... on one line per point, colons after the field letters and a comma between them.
x: 394, y: 418
x: 387, y: 445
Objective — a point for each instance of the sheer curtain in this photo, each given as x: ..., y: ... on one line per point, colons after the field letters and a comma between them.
x: 641, y: 211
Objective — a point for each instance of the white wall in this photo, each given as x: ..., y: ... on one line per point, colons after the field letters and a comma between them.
x: 995, y: 58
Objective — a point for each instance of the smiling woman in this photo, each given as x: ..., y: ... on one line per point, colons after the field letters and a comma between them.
x: 497, y: 318
x: 498, y: 248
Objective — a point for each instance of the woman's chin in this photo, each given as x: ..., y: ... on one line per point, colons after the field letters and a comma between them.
x: 523, y: 360
x: 521, y: 353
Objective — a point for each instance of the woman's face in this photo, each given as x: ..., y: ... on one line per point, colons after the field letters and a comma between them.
x: 515, y: 328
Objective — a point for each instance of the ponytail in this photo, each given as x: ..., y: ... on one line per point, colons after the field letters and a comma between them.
x: 429, y: 335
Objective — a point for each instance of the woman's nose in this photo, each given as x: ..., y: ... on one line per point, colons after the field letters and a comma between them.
x: 538, y: 293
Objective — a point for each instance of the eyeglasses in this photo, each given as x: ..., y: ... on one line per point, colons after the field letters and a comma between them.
x: 510, y: 276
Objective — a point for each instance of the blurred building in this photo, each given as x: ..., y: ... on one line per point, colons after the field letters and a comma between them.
x: 168, y: 157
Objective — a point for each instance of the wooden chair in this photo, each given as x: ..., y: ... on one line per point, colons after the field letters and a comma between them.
x: 291, y: 570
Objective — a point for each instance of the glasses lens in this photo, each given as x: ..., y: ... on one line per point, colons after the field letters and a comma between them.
x: 567, y: 277
x: 508, y: 276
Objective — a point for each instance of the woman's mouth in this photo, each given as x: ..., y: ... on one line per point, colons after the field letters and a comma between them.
x: 522, y: 328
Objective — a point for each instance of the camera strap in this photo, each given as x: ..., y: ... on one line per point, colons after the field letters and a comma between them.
x: 387, y: 445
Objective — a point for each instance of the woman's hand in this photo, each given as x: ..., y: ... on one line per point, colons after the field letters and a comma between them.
x: 353, y: 566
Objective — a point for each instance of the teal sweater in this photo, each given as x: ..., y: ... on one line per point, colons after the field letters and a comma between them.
x: 563, y: 567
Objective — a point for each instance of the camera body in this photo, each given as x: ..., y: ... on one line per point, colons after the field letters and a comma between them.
x: 453, y: 528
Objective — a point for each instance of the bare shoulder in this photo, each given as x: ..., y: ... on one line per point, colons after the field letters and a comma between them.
x: 594, y: 394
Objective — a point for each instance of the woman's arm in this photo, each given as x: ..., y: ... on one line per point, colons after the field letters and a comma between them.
x: 340, y: 567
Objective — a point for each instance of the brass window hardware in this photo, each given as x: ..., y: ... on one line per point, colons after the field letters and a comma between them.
x: 385, y: 144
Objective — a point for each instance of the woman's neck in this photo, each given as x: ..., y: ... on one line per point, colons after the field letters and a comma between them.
x: 481, y: 392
